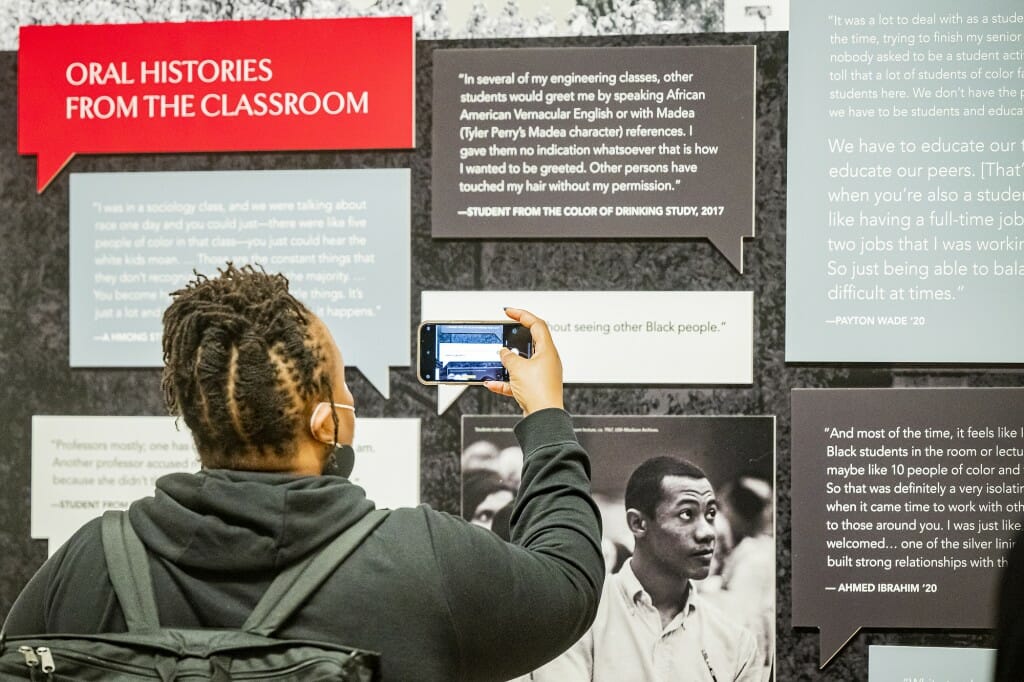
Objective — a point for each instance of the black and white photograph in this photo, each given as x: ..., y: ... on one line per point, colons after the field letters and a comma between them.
x: 685, y: 501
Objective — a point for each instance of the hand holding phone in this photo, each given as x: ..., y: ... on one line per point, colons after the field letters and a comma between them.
x: 535, y: 382
x: 453, y: 352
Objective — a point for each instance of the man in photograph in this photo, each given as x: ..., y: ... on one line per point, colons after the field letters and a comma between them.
x: 651, y: 624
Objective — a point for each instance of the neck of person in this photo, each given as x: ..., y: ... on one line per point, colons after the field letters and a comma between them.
x: 668, y: 592
x: 307, y: 459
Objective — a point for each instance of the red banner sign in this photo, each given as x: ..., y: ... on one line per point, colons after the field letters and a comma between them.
x: 214, y: 86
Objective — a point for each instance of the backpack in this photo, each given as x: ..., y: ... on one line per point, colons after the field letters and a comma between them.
x: 149, y: 652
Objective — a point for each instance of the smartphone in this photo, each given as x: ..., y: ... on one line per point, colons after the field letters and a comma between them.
x: 464, y: 352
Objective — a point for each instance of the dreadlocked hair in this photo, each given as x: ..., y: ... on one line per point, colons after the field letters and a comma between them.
x: 240, y: 365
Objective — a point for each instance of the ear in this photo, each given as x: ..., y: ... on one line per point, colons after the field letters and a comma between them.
x: 637, y: 523
x: 321, y: 423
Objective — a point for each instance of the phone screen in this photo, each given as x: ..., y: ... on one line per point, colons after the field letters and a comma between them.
x: 467, y: 352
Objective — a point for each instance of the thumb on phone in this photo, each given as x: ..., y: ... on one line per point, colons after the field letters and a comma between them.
x: 510, y: 357
x: 535, y: 382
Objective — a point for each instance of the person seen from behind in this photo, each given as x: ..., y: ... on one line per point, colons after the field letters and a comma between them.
x: 259, y: 381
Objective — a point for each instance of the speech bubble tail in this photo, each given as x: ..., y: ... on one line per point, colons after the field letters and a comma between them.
x: 47, y: 169
x: 446, y: 395
x: 730, y: 247
x: 833, y: 637
x: 379, y: 378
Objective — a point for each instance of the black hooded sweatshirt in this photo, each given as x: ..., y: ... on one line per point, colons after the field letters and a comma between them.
x: 441, y: 599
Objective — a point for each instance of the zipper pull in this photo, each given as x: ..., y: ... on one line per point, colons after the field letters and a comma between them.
x: 45, y: 659
x: 30, y: 656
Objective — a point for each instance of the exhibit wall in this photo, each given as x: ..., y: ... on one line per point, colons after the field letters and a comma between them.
x: 666, y: 269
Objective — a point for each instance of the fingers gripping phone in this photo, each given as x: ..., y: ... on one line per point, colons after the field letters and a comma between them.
x: 465, y: 352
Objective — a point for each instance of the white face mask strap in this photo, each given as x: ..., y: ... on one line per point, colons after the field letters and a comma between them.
x: 316, y: 411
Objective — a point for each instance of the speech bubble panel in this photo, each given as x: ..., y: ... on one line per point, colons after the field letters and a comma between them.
x: 924, y: 481
x: 340, y: 236
x: 82, y: 466
x: 595, y: 142
x: 183, y: 87
x: 900, y: 173
x: 624, y: 337
x: 950, y: 664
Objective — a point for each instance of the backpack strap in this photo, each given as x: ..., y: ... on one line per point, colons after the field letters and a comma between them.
x: 296, y: 583
x: 128, y: 567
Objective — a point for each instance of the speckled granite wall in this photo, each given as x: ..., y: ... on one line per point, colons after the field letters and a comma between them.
x: 35, y: 377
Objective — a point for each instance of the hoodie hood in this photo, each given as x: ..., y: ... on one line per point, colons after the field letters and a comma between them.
x: 243, y: 521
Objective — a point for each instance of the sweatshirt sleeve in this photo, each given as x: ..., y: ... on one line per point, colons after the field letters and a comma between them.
x: 516, y: 605
x: 75, y: 574
x: 28, y: 614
